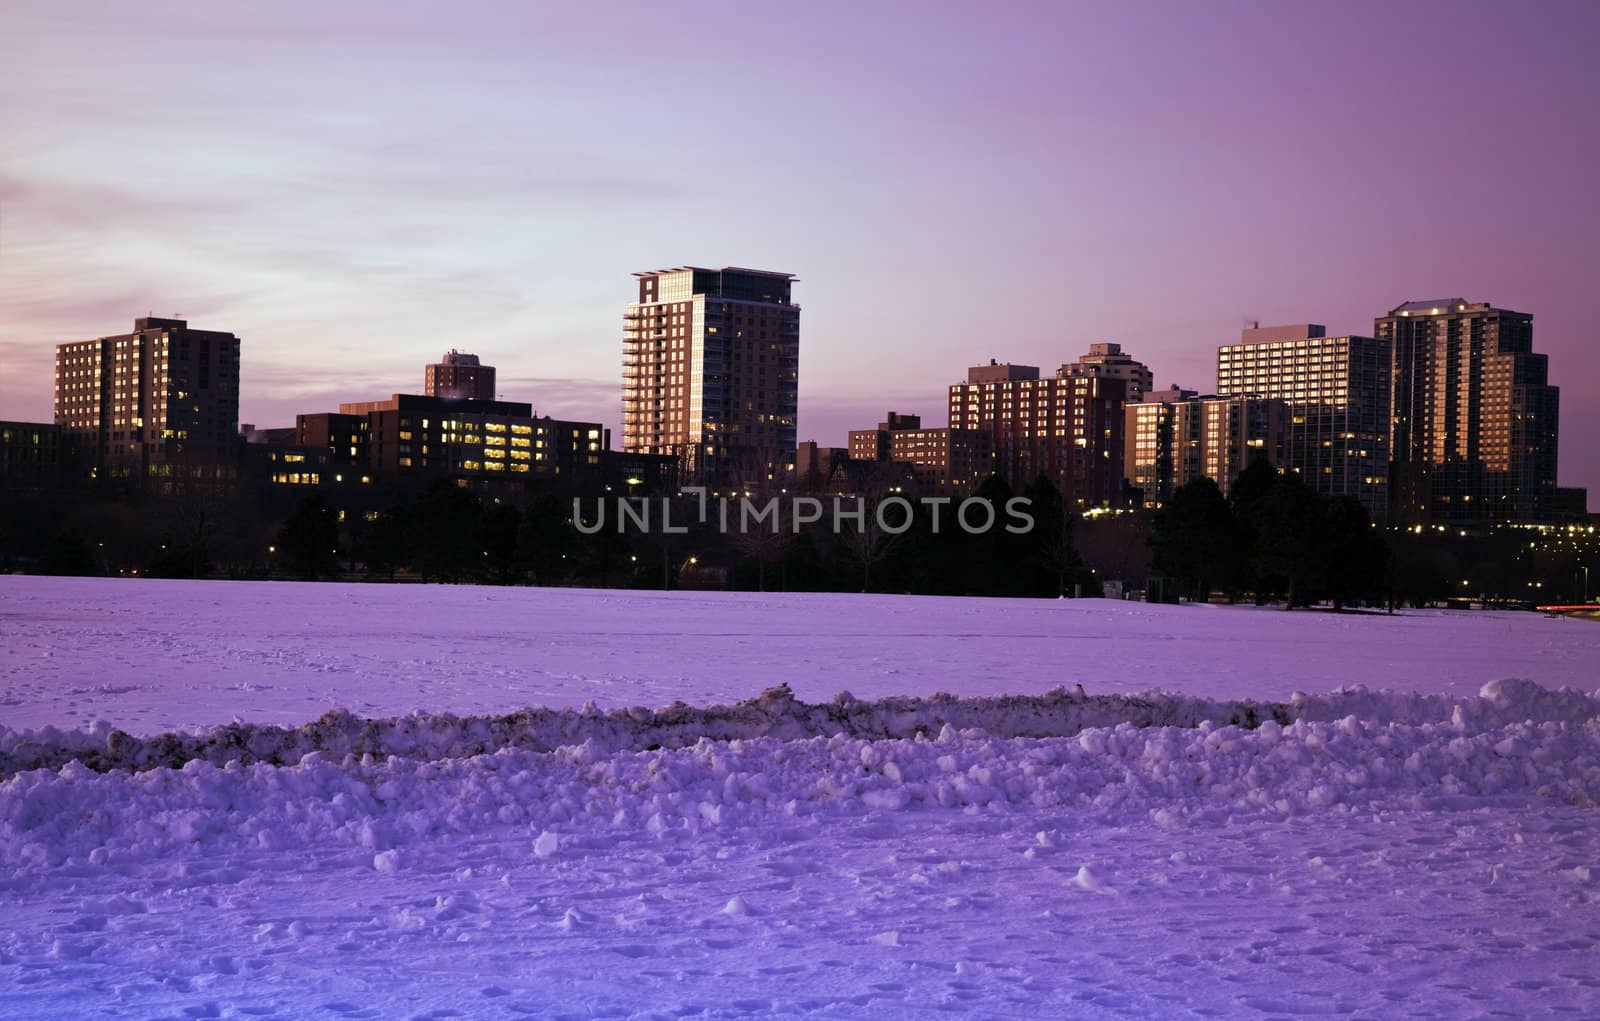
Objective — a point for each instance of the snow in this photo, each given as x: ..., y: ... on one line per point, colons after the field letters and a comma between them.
x: 1274, y: 835
x: 154, y: 656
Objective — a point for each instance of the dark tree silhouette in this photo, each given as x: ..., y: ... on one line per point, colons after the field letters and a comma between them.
x: 1198, y: 540
x: 446, y: 535
x: 308, y: 540
x: 501, y: 527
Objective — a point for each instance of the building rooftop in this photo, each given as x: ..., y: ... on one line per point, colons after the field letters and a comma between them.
x: 1433, y: 307
x: 718, y: 269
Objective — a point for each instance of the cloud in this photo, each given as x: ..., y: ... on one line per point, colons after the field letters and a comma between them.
x: 94, y: 206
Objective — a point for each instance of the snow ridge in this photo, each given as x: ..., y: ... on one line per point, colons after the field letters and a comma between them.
x: 776, y: 713
x: 582, y: 797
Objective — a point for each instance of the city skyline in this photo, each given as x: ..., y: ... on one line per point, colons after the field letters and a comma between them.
x: 1219, y: 169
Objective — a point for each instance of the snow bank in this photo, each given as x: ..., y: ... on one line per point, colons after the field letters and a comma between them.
x: 577, y: 781
x: 776, y: 714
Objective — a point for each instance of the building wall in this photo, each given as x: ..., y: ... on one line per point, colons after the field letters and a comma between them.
x: 875, y: 444
x: 32, y: 454
x: 868, y: 444
x: 1337, y: 392
x: 711, y: 371
x: 1067, y: 428
x: 1171, y: 443
x: 1111, y: 362
x: 944, y: 460
x: 1475, y: 419
x: 462, y: 381
x: 344, y: 437
x: 142, y: 402
x: 416, y: 435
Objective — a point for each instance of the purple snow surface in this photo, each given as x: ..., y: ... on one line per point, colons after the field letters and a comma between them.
x: 1429, y: 851
x: 150, y: 656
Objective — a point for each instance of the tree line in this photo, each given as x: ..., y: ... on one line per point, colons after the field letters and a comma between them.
x: 1273, y: 537
x: 1270, y: 539
x: 447, y: 533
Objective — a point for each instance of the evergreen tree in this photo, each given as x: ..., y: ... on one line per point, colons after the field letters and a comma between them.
x: 446, y: 533
x: 309, y: 537
x: 501, y: 532
x: 1357, y: 556
x: 1050, y: 563
x: 1198, y: 540
x: 543, y: 535
x: 67, y: 554
x: 995, y: 556
x: 383, y: 545
x: 1291, y: 551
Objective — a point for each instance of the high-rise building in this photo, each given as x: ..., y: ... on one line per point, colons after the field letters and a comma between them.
x: 1475, y: 418
x: 1336, y: 390
x: 144, y: 402
x: 1067, y: 428
x: 1107, y: 361
x: 711, y: 371
x: 459, y: 375
x: 1176, y: 436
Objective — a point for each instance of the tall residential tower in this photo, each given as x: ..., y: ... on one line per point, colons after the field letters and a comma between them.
x: 711, y: 370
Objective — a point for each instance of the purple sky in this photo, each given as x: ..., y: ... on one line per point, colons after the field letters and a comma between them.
x: 355, y: 188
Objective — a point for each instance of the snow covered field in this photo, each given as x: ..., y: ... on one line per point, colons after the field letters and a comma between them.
x: 158, y: 655
x: 1231, y: 850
